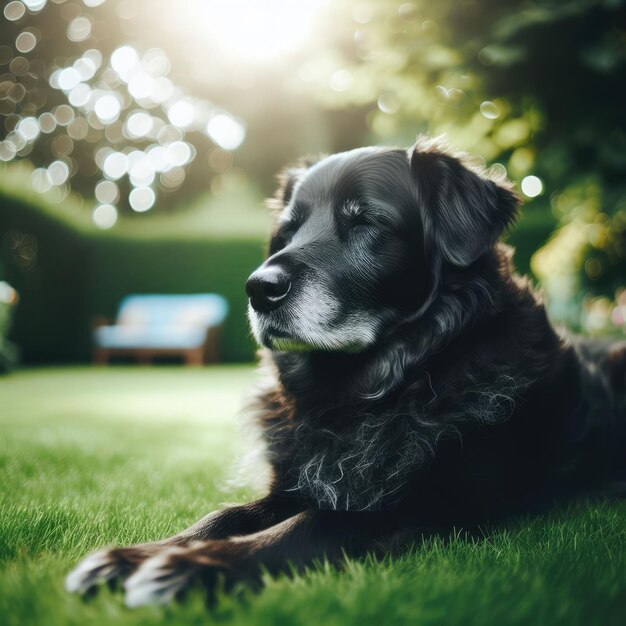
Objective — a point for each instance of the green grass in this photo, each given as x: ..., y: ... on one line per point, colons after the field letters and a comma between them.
x: 93, y: 457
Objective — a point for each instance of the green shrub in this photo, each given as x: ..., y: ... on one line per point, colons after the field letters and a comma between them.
x: 8, y: 351
x: 533, y: 230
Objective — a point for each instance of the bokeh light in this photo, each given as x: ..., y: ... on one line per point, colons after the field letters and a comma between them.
x: 139, y: 124
x: 79, y: 29
x: 108, y: 107
x: 28, y: 128
x: 115, y: 165
x: 104, y: 216
x: 531, y: 186
x: 14, y: 10
x: 489, y: 110
x: 25, y: 41
x: 35, y: 5
x: 107, y: 192
x: 226, y: 131
x: 58, y: 172
x: 181, y: 113
x: 124, y: 60
x: 142, y: 199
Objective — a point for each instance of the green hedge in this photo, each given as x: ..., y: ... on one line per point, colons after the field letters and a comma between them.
x: 51, y: 317
x: 8, y: 352
x: 80, y: 274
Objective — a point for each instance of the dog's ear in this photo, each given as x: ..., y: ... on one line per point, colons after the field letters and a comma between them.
x: 464, y: 213
x: 287, y: 180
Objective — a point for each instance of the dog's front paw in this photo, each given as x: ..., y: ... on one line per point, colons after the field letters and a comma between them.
x: 160, y: 579
x: 102, y: 567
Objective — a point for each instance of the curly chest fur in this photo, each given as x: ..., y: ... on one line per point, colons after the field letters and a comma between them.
x: 362, y: 457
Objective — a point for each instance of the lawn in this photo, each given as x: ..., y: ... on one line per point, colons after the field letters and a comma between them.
x: 91, y: 457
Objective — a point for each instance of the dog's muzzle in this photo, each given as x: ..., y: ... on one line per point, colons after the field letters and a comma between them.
x: 267, y: 287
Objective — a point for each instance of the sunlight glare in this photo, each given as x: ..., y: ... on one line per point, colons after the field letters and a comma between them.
x: 249, y: 30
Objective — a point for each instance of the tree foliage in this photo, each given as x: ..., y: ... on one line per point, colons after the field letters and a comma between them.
x: 536, y: 88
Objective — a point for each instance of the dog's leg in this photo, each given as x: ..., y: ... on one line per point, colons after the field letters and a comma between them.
x: 114, y: 563
x: 242, y: 520
x: 297, y: 542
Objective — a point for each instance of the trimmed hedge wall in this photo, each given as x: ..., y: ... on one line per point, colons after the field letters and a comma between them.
x: 79, y: 275
x: 50, y: 322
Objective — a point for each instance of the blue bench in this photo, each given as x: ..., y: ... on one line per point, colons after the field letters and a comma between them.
x: 156, y: 325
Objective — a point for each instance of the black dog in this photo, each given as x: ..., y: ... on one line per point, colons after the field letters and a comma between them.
x: 414, y: 381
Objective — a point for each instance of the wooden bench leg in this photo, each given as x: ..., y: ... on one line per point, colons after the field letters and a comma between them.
x: 210, y: 347
x: 100, y: 356
x: 210, y: 353
x: 194, y: 357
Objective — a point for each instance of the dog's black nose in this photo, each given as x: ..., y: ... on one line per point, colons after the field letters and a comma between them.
x: 267, y: 288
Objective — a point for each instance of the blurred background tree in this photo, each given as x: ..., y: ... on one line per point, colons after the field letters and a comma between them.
x: 169, y: 120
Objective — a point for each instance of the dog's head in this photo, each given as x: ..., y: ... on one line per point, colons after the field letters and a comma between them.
x: 361, y: 240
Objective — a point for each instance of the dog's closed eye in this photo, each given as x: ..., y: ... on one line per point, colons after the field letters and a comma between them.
x: 353, y: 214
x: 352, y: 209
x: 352, y: 218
